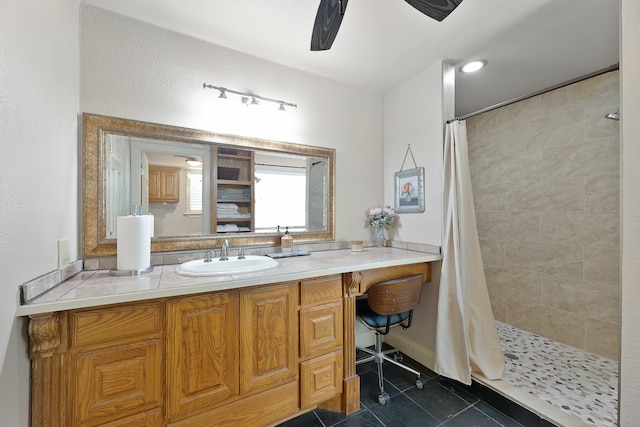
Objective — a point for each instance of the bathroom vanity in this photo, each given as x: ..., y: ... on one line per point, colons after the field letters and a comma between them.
x: 166, y: 350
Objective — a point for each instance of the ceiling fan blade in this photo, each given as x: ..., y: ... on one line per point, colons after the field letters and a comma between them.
x: 328, y: 20
x: 436, y: 9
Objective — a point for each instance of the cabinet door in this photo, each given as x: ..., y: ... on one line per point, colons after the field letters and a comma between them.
x: 320, y: 329
x: 119, y: 380
x: 164, y: 184
x: 268, y: 337
x: 116, y: 361
x: 202, y: 352
x: 171, y: 186
x: 155, y: 187
x: 320, y: 379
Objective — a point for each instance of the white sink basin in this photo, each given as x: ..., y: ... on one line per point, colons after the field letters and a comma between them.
x: 233, y: 265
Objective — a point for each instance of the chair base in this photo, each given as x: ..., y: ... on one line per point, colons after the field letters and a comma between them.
x: 379, y: 356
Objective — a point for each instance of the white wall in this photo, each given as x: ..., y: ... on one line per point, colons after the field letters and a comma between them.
x: 630, y: 210
x: 134, y: 70
x: 38, y: 168
x: 413, y: 114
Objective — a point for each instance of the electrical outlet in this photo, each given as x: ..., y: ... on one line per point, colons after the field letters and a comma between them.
x: 64, y: 253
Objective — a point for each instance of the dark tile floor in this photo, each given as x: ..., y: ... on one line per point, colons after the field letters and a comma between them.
x: 442, y: 402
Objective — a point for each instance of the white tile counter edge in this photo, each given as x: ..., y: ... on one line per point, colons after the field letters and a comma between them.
x: 76, y: 292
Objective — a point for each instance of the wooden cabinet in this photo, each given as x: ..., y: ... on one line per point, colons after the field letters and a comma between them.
x: 242, y: 357
x: 202, y: 352
x: 115, y: 362
x: 233, y: 188
x: 320, y: 379
x: 164, y: 184
x: 268, y: 337
x: 320, y: 340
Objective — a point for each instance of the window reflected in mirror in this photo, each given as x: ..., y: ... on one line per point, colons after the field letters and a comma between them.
x: 201, y: 186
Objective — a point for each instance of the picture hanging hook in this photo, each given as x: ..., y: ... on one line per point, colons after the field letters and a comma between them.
x: 405, y: 158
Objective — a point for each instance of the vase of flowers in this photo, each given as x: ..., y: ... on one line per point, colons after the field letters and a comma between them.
x: 381, y: 219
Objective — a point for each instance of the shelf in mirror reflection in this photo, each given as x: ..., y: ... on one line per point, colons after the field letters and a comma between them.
x: 267, y: 171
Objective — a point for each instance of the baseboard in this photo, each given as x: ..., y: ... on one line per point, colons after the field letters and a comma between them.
x: 365, y: 337
x: 415, y: 351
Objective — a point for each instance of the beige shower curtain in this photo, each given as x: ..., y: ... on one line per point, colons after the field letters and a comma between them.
x: 466, y: 335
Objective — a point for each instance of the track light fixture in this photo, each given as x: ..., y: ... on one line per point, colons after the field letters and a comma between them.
x: 249, y: 98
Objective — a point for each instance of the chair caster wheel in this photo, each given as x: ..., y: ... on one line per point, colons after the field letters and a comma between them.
x: 383, y: 398
x: 397, y: 356
x: 420, y: 383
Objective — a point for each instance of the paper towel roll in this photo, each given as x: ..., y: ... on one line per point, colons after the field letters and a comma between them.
x: 134, y: 242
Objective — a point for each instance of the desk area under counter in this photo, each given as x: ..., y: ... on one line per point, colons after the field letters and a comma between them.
x: 167, y: 350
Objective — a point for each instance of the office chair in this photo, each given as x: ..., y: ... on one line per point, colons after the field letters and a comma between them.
x: 388, y: 304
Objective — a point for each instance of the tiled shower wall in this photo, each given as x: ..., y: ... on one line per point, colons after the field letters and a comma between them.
x: 545, y: 175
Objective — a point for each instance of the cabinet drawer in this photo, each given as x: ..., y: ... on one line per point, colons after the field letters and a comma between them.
x: 320, y: 290
x: 320, y: 329
x: 320, y: 379
x: 117, y: 381
x: 112, y: 324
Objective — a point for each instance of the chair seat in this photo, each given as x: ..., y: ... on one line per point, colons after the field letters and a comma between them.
x: 377, y: 321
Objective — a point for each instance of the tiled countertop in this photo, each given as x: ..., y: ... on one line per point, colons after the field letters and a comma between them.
x: 94, y: 288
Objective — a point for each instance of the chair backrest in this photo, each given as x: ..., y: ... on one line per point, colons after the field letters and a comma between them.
x: 395, y: 296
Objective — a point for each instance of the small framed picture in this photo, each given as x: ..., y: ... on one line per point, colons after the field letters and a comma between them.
x: 409, y: 191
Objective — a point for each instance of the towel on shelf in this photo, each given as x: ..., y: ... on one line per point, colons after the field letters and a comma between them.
x: 226, y: 209
x: 227, y: 228
x: 225, y: 193
x: 233, y: 215
x: 227, y: 206
x: 231, y: 228
x: 229, y: 210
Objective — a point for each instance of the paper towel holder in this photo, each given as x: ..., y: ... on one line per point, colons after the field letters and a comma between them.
x: 123, y: 273
x: 136, y: 212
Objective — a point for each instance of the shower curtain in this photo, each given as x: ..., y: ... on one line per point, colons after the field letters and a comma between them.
x: 466, y: 335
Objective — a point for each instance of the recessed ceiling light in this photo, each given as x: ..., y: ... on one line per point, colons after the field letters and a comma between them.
x: 473, y: 66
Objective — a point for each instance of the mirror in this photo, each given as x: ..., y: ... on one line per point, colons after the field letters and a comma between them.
x: 201, y: 186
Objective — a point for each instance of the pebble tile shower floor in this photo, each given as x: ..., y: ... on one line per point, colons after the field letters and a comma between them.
x: 577, y: 382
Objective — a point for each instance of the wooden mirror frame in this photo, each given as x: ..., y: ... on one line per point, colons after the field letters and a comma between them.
x: 94, y: 131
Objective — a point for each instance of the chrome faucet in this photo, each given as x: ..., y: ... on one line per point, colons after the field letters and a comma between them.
x: 223, y: 250
x: 208, y: 256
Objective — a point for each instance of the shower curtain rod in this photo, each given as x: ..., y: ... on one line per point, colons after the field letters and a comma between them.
x: 540, y: 92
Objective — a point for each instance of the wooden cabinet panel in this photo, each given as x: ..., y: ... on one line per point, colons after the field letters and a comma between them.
x: 101, y: 326
x: 202, y: 352
x: 263, y: 409
x: 117, y: 381
x: 320, y: 379
x: 155, y: 185
x: 320, y: 329
x: 171, y: 186
x: 164, y: 184
x: 268, y: 337
x: 320, y: 290
x: 151, y: 418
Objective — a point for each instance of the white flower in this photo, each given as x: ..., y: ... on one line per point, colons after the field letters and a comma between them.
x: 382, y: 217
